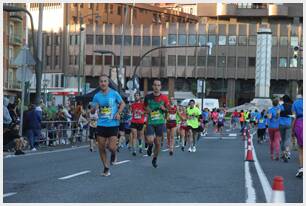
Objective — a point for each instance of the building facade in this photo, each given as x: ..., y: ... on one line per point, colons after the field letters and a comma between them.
x: 14, y: 37
x: 229, y: 71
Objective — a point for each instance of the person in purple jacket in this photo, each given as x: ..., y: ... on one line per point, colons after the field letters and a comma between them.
x: 32, y: 121
x: 297, y: 128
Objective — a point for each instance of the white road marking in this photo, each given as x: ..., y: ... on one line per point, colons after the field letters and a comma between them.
x: 121, y: 162
x: 165, y: 150
x: 9, y: 194
x: 46, y: 152
x: 251, y: 194
x: 262, y: 177
x: 177, y: 146
x: 228, y: 130
x: 74, y: 175
x: 220, y: 137
x: 232, y: 135
x: 145, y: 155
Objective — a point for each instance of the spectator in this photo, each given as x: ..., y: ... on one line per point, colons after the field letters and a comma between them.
x: 7, y: 120
x: 33, y: 120
x: 83, y: 122
x: 11, y: 138
x: 13, y: 114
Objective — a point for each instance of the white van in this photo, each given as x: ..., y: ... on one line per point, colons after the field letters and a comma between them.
x: 208, y: 103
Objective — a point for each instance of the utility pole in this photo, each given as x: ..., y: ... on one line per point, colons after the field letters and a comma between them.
x: 39, y: 67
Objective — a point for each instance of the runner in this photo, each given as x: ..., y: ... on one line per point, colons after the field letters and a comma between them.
x: 193, y: 124
x: 253, y: 116
x: 110, y: 105
x: 205, y: 119
x: 273, y: 129
x: 122, y: 135
x: 93, y: 117
x: 138, y: 120
x: 297, y: 129
x: 241, y: 120
x: 156, y: 104
x: 183, y: 127
x: 261, y: 129
x: 235, y: 119
x: 221, y: 120
x: 214, y: 117
x: 171, y: 125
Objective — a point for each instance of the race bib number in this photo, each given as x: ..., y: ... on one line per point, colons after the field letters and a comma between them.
x: 261, y: 121
x: 155, y: 115
x: 184, y: 123
x: 172, y: 117
x: 106, y: 112
x: 137, y: 115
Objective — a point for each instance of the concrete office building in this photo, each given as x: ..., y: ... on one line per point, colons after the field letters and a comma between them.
x: 231, y: 28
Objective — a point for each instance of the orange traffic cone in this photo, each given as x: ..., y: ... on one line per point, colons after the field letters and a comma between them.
x: 278, y: 194
x: 249, y: 156
x: 249, y: 141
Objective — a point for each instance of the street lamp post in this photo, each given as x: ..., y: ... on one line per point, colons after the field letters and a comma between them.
x: 82, y: 48
x: 45, y: 84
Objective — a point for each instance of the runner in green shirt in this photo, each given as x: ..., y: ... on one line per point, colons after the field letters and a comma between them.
x: 193, y: 124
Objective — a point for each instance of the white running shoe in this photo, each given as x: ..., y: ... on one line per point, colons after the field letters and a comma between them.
x: 189, y: 150
x: 194, y: 149
x: 299, y: 173
x: 34, y: 149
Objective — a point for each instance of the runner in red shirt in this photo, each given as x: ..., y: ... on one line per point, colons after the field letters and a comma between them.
x: 138, y: 120
x: 171, y: 124
x: 183, y: 127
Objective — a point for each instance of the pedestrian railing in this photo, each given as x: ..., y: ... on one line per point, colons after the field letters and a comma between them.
x: 62, y: 132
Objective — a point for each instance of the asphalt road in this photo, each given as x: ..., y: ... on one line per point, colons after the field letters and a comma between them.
x: 216, y: 173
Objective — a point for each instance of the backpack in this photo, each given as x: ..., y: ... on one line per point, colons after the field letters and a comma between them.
x: 287, y: 110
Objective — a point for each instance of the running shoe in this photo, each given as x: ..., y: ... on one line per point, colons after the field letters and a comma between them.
x: 189, y: 149
x: 106, y: 172
x: 154, y: 162
x: 183, y: 149
x: 299, y: 173
x: 134, y: 153
x: 194, y: 149
x: 140, y: 150
x: 170, y: 153
x: 19, y: 152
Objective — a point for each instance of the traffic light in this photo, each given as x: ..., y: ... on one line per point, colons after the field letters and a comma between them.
x: 296, y: 52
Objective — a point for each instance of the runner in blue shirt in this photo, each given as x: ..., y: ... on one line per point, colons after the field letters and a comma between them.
x: 110, y: 106
x: 261, y: 127
x: 273, y: 125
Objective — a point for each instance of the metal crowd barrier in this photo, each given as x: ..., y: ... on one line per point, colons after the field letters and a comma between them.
x: 62, y: 132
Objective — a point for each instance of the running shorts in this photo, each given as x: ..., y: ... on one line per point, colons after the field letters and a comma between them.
x: 107, y: 131
x: 155, y: 129
x: 137, y: 126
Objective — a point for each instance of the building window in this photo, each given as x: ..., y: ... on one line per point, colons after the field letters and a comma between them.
x: 301, y: 62
x: 171, y: 60
x: 119, y: 10
x: 231, y: 61
x: 221, y: 61
x: 191, y: 60
x: 274, y: 40
x: 252, y: 61
x: 283, y: 41
x: 155, y: 41
x: 108, y: 39
x: 146, y: 41
x: 89, y: 59
x: 111, y: 10
x: 49, y: 41
x: 181, y: 60
x: 202, y: 39
x: 98, y: 60
x: 241, y: 62
x: 192, y: 39
x: 146, y: 62
x: 71, y: 59
x: 212, y: 39
x: 211, y: 61
x: 108, y: 60
x: 77, y: 39
x: 89, y: 39
x: 273, y: 62
x: 222, y: 40
x: 252, y: 40
x: 118, y: 39
x: 126, y: 61
x: 293, y: 62
x: 282, y: 62
x: 48, y: 60
x: 136, y: 60
x: 99, y: 39
x: 242, y: 40
x: 71, y: 39
x: 136, y: 40
x: 155, y: 61
x: 182, y: 39
x: 172, y: 39
x: 127, y: 40
x: 294, y: 41
x: 191, y: 10
x: 56, y: 60
x: 56, y: 40
x: 201, y: 61
x: 232, y: 40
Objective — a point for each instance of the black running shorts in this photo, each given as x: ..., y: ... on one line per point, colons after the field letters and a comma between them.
x: 107, y: 131
x: 137, y: 126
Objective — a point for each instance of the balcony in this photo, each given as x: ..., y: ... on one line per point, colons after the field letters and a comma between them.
x: 16, y: 40
x: 277, y: 10
x: 16, y: 17
x: 13, y: 85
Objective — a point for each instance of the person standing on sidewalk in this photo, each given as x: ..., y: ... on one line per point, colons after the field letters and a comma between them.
x: 297, y: 129
x: 285, y: 126
x: 33, y: 125
x: 273, y: 129
x: 156, y: 105
x: 110, y: 106
x: 137, y: 123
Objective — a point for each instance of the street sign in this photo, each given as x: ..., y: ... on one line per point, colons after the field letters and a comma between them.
x: 199, y: 86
